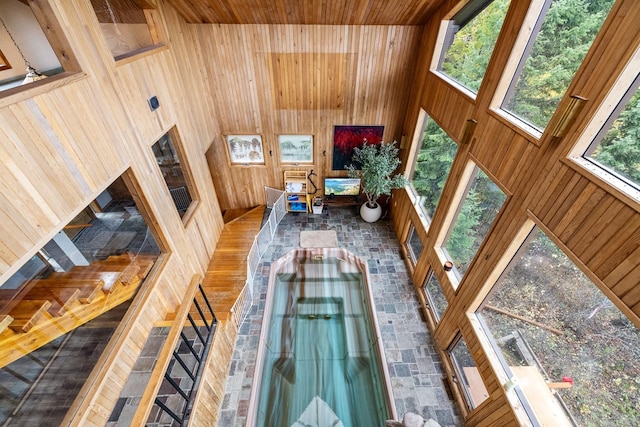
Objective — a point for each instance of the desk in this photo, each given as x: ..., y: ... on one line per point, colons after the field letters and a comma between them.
x: 340, y: 201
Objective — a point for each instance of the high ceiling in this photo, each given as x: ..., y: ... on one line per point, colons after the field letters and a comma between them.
x: 316, y: 12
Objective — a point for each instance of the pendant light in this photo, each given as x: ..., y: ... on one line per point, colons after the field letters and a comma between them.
x: 32, y: 75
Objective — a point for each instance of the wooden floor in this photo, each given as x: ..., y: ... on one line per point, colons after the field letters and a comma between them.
x: 227, y: 272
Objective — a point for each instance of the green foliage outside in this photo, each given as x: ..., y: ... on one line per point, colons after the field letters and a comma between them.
x: 468, y: 57
x: 600, y: 346
x: 479, y: 209
x: 562, y: 43
x: 620, y: 148
x: 432, y: 165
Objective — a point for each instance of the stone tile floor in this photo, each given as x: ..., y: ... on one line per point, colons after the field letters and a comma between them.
x: 413, y: 362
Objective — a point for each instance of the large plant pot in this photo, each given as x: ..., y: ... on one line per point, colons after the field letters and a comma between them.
x: 370, y: 214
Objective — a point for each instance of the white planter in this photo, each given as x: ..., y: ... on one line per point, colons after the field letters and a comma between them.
x: 370, y: 214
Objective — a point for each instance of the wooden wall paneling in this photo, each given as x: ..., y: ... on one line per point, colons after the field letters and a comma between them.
x: 617, y: 265
x: 571, y: 196
x: 316, y: 78
x: 565, y: 186
x: 603, y: 242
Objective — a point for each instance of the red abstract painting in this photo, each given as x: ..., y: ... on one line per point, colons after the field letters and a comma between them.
x: 346, y: 138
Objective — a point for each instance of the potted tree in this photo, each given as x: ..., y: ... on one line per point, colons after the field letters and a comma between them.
x: 375, y: 165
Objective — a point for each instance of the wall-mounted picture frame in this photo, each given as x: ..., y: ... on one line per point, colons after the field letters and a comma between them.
x: 245, y: 149
x: 346, y: 138
x: 296, y: 148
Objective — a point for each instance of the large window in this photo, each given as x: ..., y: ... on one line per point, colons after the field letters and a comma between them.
x: 432, y: 165
x: 175, y: 173
x: 60, y: 309
x: 480, y: 205
x: 562, y: 35
x: 616, y: 148
x: 573, y: 353
x: 469, y: 40
x: 129, y: 26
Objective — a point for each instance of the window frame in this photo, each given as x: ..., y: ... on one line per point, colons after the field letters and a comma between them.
x: 57, y: 38
x: 449, y: 26
x: 157, y: 34
x: 178, y: 148
x: 416, y: 147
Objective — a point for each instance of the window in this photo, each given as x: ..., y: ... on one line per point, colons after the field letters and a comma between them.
x: 24, y: 44
x: 432, y: 165
x: 571, y: 350
x: 435, y: 297
x: 561, y: 37
x: 469, y: 381
x: 177, y: 180
x: 129, y: 26
x: 60, y: 309
x: 480, y: 205
x: 616, y: 148
x: 469, y: 39
x: 413, y: 244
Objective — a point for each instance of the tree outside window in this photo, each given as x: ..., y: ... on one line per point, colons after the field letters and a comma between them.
x: 471, y: 37
x: 565, y: 35
x: 432, y: 166
x: 480, y: 206
x: 617, y: 146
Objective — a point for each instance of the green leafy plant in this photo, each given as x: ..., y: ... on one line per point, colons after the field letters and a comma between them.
x: 375, y: 165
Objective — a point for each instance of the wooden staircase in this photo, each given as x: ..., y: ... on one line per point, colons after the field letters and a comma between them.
x: 45, y: 309
x: 227, y: 272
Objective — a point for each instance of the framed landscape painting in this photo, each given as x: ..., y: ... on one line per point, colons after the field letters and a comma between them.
x: 296, y: 148
x: 346, y: 138
x: 245, y: 149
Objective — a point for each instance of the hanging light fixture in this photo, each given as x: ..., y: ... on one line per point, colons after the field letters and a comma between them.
x: 32, y: 75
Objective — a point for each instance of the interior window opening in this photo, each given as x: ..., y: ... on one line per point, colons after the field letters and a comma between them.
x: 470, y: 38
x: 175, y: 173
x: 129, y: 26
x: 559, y: 42
x: 571, y: 354
x: 59, y: 310
x: 26, y: 55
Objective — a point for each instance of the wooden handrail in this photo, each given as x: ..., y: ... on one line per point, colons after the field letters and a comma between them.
x: 155, y: 381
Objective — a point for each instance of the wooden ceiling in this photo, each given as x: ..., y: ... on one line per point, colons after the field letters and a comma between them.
x: 312, y: 12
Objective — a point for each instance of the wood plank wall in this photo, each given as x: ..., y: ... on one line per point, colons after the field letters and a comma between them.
x: 596, y: 225
x: 298, y: 79
x: 66, y: 143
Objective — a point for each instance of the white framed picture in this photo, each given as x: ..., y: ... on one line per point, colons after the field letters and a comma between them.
x: 296, y: 148
x: 245, y: 149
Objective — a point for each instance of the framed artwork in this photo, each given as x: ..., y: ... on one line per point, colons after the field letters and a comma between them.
x: 296, y: 148
x: 346, y: 138
x: 245, y: 149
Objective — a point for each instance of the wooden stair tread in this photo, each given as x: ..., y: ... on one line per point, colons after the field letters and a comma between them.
x: 61, y: 298
x: 27, y: 313
x: 89, y: 288
x: 5, y: 321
